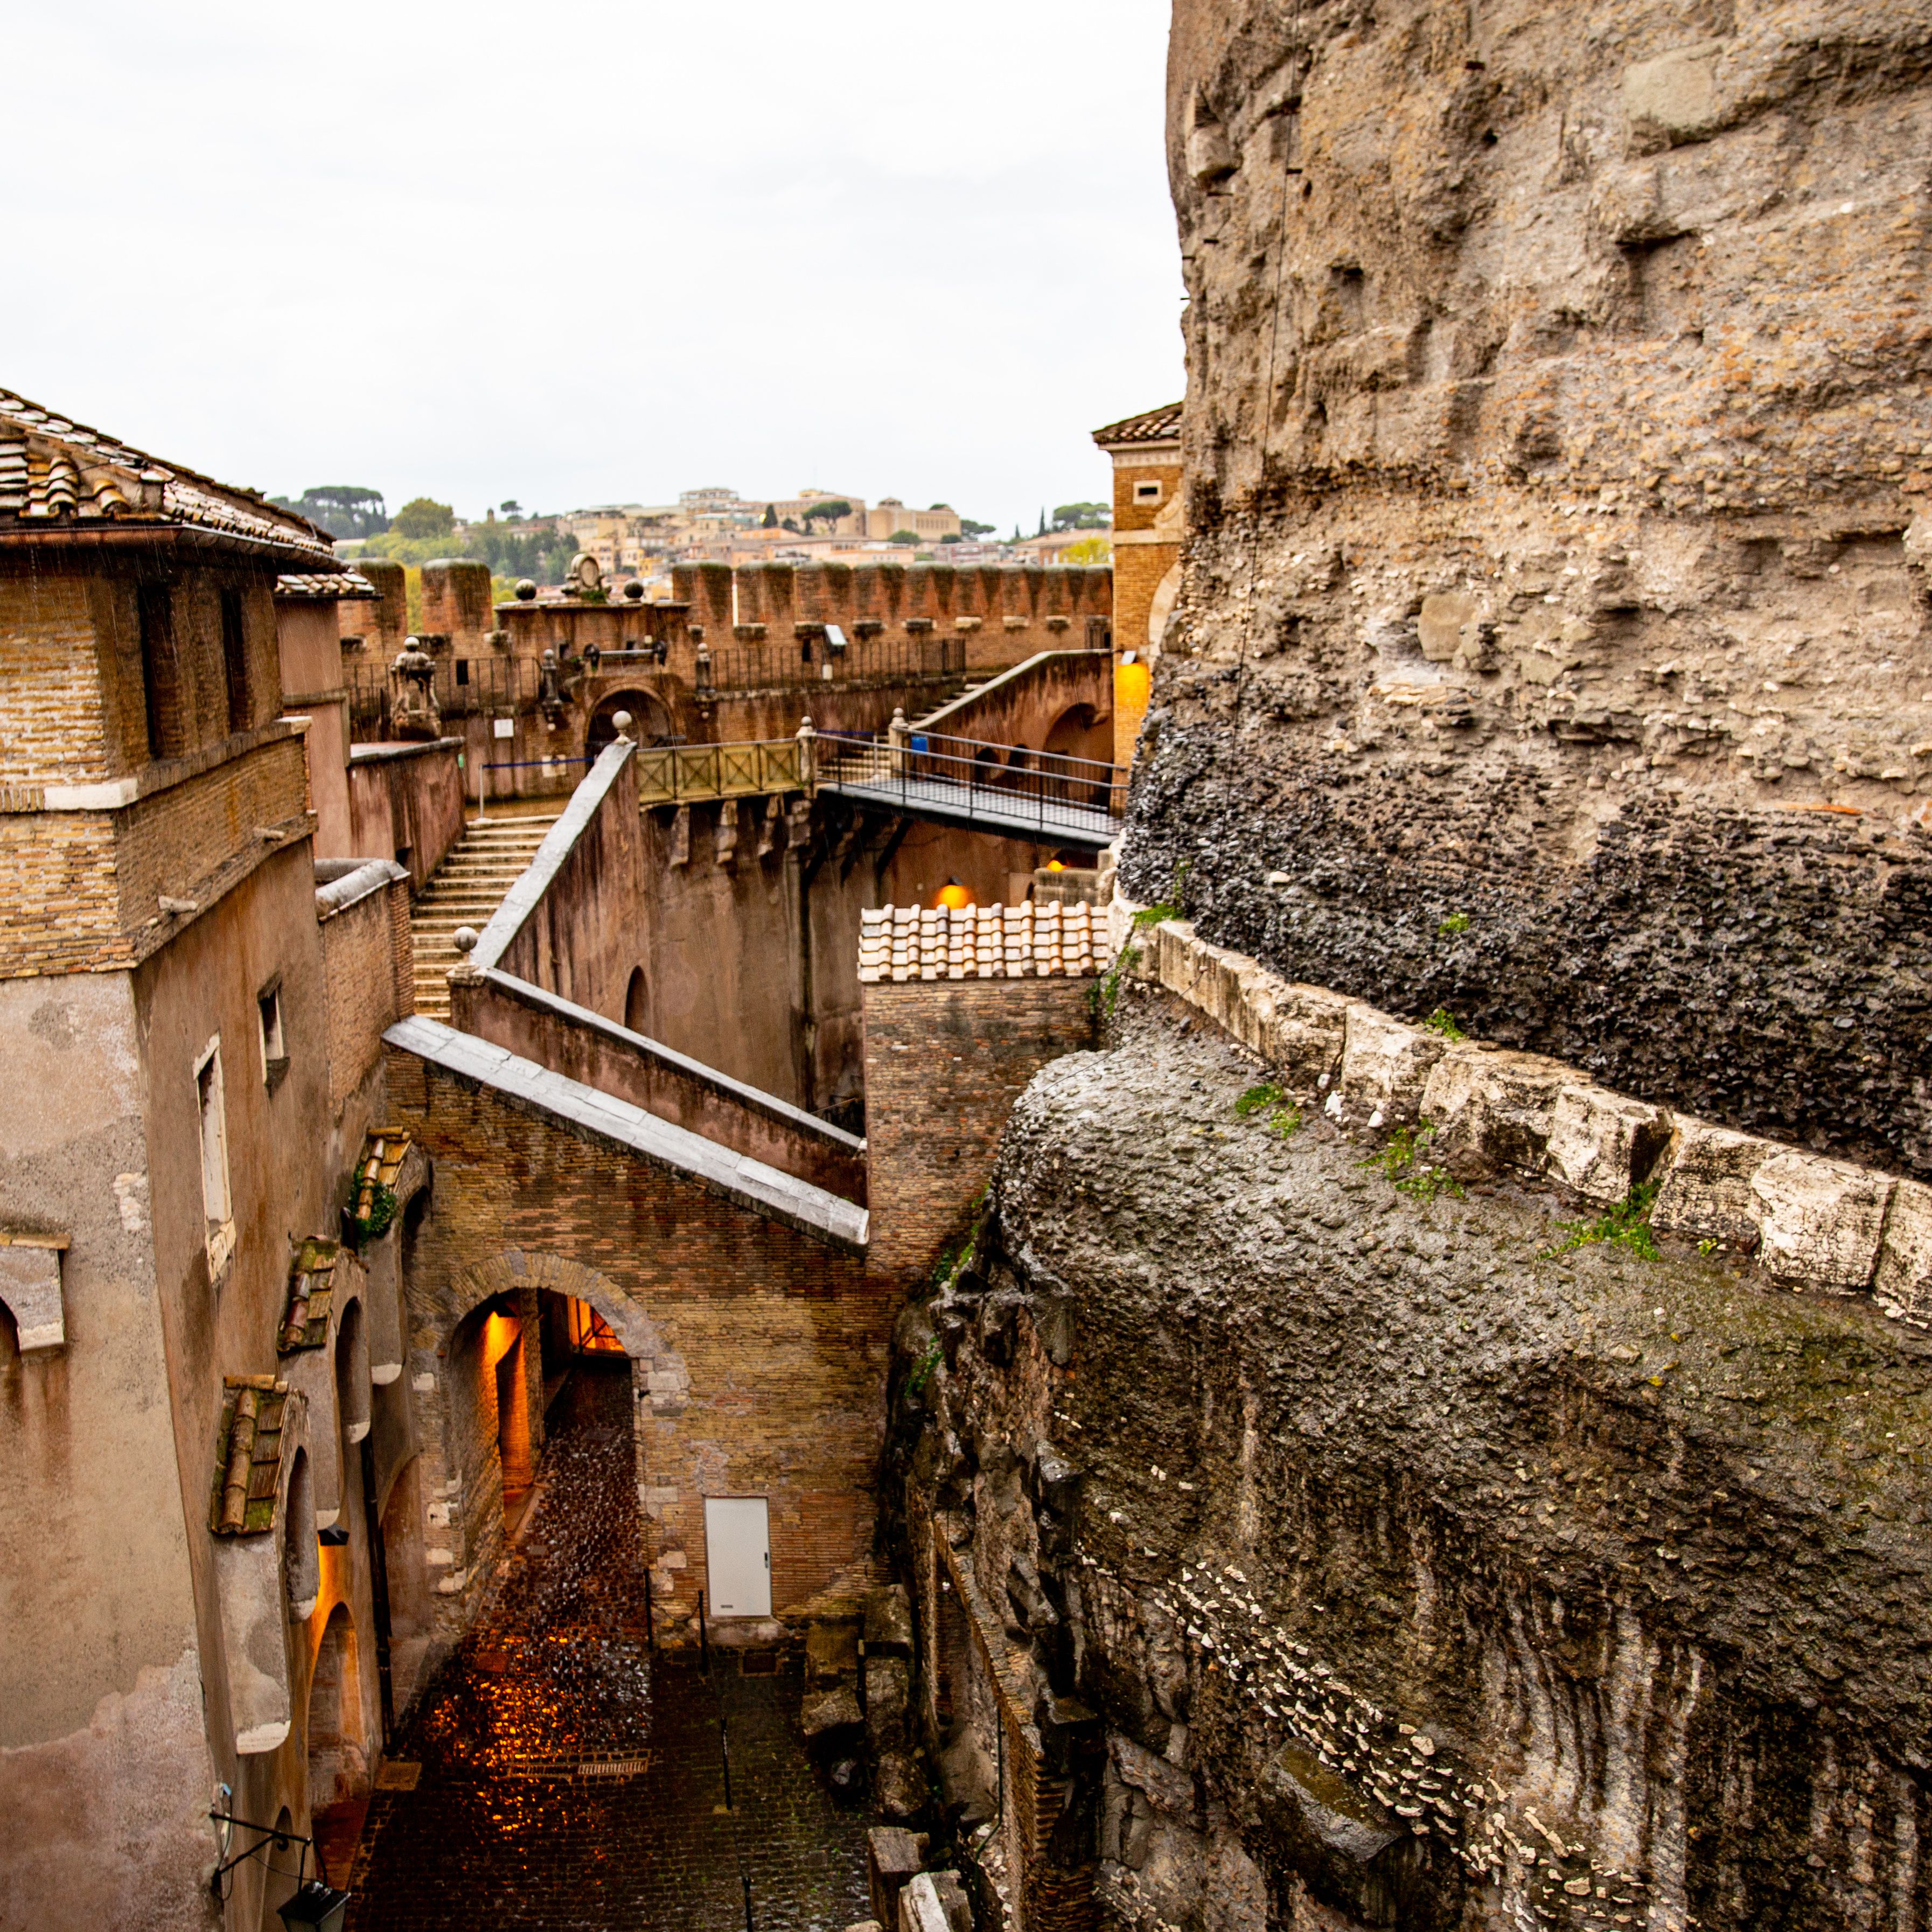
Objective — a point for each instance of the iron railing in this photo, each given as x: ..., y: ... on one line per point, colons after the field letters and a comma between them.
x: 1004, y: 787
x: 465, y: 687
x: 810, y: 660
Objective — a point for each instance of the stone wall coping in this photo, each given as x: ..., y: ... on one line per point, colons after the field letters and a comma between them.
x: 1813, y: 1221
x: 352, y: 886
x: 536, y: 1090
x: 526, y: 895
x: 416, y: 748
x: 754, y: 1100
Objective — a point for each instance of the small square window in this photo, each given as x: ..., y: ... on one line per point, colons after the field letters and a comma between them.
x: 1148, y: 493
x: 274, y: 1051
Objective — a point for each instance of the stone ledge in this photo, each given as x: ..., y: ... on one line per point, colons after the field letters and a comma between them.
x: 1813, y: 1221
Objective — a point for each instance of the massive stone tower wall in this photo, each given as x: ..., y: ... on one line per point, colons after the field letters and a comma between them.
x: 1555, y: 645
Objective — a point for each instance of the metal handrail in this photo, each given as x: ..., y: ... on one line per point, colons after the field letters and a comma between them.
x: 999, y: 783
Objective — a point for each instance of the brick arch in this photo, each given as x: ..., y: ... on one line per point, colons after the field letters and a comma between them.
x: 514, y: 1268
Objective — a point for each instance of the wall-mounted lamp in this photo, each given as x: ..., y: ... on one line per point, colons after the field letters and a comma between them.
x: 316, y: 1906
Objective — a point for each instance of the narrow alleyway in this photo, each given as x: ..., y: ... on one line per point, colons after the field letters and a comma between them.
x: 503, y: 1826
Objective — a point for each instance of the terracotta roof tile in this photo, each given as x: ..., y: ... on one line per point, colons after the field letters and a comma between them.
x: 56, y: 475
x: 383, y: 1154
x: 247, y: 1455
x: 333, y: 586
x: 1022, y: 942
x: 1161, y: 425
x: 311, y: 1288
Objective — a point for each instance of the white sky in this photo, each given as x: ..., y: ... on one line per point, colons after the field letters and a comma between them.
x: 483, y: 251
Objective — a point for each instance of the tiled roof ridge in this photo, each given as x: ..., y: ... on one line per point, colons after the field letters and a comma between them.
x: 342, y: 586
x: 1160, y: 425
x: 184, y: 495
x: 1023, y: 942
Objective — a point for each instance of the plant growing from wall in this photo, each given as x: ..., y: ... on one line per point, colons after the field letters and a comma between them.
x: 1625, y: 1225
x: 1106, y: 993
x: 375, y: 1210
x: 1400, y: 1159
x: 1284, y: 1117
x: 1444, y: 1022
x: 1456, y: 922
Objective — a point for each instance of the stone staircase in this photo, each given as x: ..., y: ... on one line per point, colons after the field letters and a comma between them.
x: 464, y: 890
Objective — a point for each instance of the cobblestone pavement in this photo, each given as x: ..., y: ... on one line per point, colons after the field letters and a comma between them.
x: 502, y: 1828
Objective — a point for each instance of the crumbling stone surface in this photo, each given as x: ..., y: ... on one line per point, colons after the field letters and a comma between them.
x: 1419, y: 1575
x: 1555, y: 628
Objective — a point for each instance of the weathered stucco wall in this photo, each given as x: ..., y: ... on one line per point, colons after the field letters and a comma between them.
x: 1555, y: 629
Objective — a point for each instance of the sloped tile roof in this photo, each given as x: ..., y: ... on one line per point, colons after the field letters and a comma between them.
x: 58, y: 475
x: 1161, y: 425
x: 311, y: 1289
x: 317, y: 586
x: 247, y: 1455
x: 1022, y: 942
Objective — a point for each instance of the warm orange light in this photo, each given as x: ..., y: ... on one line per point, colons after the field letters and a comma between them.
x: 954, y: 897
x: 1054, y: 865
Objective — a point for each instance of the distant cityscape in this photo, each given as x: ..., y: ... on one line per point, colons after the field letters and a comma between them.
x: 710, y: 525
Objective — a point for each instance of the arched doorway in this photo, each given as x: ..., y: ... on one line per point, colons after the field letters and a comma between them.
x: 338, y: 1757
x: 490, y: 1420
x: 283, y: 1862
x: 650, y: 721
x: 411, y: 1600
x: 636, y: 1000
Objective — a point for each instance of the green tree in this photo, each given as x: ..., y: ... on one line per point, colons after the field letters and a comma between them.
x: 1041, y: 531
x: 424, y: 517
x: 902, y: 537
x: 342, y: 509
x: 828, y: 512
x: 1081, y: 516
x: 510, y: 508
x: 972, y: 529
x: 769, y: 520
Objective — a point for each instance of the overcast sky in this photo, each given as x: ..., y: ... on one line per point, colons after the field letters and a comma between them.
x: 486, y: 251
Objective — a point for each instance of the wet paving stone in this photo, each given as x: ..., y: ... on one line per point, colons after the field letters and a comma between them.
x: 527, y: 1812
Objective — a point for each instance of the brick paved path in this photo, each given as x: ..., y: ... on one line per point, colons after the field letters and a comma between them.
x: 501, y: 1830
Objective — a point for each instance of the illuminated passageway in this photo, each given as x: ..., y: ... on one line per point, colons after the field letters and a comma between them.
x: 504, y: 1826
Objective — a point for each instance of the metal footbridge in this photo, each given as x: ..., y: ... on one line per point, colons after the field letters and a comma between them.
x: 1011, y: 791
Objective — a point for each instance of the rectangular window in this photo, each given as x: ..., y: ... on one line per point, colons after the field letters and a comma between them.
x: 161, y: 685
x: 235, y: 660
x: 1148, y: 493
x: 274, y: 1052
x: 216, y: 1202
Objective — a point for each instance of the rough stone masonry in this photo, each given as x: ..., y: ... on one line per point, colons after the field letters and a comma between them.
x: 1554, y: 644
x: 1358, y: 1544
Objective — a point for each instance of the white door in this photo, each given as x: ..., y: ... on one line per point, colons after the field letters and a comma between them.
x: 738, y: 1554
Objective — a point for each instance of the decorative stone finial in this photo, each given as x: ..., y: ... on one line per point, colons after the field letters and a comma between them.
x: 467, y: 936
x: 526, y: 590
x: 623, y: 722
x: 634, y: 589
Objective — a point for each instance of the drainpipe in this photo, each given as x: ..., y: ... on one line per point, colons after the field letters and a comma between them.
x: 379, y: 1586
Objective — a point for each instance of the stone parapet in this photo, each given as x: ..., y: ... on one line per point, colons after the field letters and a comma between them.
x: 1811, y: 1221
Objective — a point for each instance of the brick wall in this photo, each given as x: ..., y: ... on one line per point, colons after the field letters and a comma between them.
x: 760, y: 1350
x: 50, y: 688
x: 360, y: 982
x: 780, y: 595
x: 944, y: 1062
x: 80, y: 891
